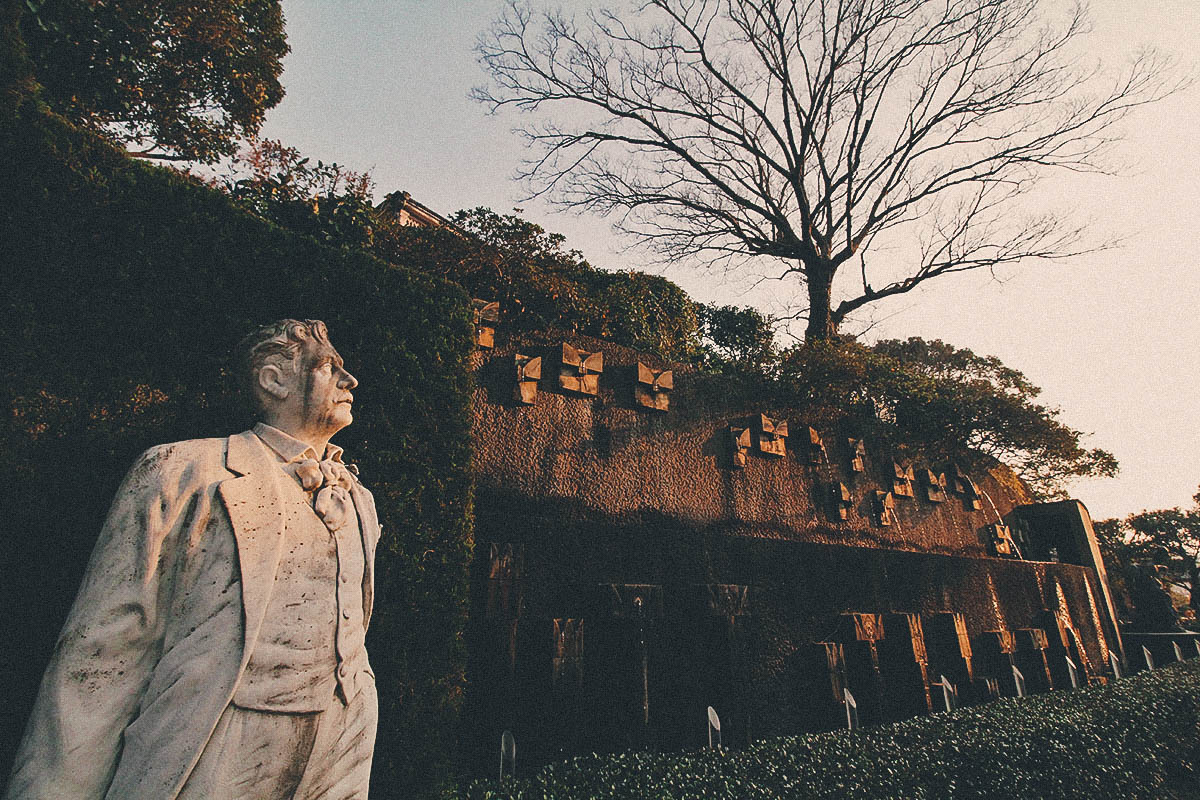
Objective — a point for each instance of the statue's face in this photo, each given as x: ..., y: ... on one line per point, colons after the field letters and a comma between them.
x: 322, y: 388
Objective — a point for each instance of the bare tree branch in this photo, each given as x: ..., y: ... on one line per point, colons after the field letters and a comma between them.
x: 804, y: 130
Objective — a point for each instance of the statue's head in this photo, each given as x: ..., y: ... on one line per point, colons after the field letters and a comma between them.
x: 295, y: 378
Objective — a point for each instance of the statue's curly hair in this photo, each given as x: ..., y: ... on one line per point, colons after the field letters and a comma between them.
x: 278, y: 343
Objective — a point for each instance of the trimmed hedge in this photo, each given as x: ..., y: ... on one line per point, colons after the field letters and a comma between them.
x: 1136, y: 738
x: 126, y: 287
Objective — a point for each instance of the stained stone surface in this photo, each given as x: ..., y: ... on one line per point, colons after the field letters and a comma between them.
x: 605, y: 495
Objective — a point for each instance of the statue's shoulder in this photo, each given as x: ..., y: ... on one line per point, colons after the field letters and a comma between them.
x: 188, y: 450
x: 180, y: 462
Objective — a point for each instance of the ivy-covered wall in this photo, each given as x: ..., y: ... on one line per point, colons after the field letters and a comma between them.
x: 125, y: 288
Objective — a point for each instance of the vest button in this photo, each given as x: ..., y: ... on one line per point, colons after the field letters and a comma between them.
x: 345, y: 613
x: 342, y: 670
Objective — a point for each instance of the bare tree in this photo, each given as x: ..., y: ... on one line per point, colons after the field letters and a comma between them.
x: 814, y: 131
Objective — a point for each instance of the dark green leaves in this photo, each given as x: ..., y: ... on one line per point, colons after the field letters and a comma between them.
x: 1133, y: 739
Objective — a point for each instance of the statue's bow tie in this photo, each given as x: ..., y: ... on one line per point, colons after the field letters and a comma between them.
x: 331, y: 481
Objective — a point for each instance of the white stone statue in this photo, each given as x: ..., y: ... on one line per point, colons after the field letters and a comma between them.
x: 215, y: 649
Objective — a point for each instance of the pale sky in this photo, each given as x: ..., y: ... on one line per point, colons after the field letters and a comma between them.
x: 1112, y: 338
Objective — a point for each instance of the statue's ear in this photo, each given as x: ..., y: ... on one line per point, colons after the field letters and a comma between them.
x: 272, y: 381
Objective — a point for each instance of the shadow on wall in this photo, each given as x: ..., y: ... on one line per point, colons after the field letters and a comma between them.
x: 809, y: 621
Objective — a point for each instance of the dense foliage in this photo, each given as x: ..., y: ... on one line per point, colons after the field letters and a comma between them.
x: 942, y: 401
x: 1133, y: 739
x: 167, y: 78
x: 540, y: 284
x: 738, y: 340
x: 328, y: 202
x: 127, y: 287
x: 981, y: 404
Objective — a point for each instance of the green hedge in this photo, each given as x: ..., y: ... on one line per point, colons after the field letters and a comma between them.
x: 126, y: 286
x: 1136, y: 738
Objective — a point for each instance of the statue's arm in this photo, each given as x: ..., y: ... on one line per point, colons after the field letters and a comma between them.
x: 111, y: 640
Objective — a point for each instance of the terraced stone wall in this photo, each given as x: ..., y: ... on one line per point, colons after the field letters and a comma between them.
x: 611, y: 535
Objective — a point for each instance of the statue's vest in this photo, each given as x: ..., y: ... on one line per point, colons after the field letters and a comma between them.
x: 311, y: 639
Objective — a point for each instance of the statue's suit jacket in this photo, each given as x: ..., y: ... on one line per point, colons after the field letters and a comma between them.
x: 157, y: 639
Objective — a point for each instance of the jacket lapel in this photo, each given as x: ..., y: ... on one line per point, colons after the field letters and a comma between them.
x: 368, y: 524
x: 253, y: 503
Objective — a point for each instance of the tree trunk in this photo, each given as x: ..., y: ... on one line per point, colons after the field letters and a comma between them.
x: 821, y: 325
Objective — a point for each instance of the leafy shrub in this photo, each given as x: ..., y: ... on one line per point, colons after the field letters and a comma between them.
x: 1137, y: 738
x: 738, y: 340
